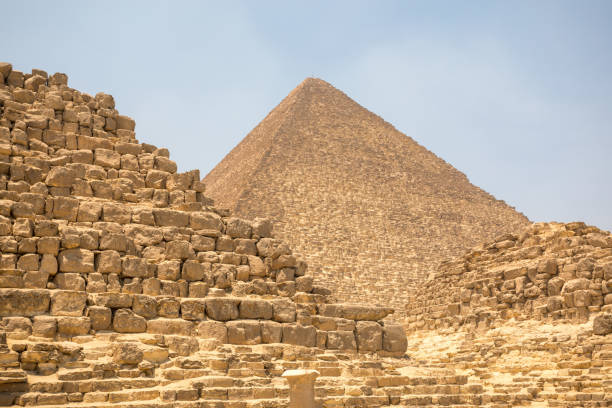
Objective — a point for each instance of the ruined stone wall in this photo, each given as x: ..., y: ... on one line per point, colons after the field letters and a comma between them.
x: 557, y: 272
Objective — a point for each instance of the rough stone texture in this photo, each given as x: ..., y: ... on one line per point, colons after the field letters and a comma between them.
x: 376, y: 212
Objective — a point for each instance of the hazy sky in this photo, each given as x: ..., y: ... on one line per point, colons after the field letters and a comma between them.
x: 516, y: 94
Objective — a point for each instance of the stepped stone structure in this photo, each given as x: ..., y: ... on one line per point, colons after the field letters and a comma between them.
x: 123, y: 286
x: 370, y: 210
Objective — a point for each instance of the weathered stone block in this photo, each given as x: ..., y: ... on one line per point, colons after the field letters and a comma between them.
x: 256, y: 309
x: 299, y: 335
x: 341, y: 340
x: 394, y: 338
x: 170, y: 326
x: 222, y: 309
x: 73, y: 326
x: 145, y: 306
x: 126, y: 321
x: 369, y: 336
x: 24, y: 302
x: 68, y: 303
x: 100, y: 316
x: 76, y: 260
x: 211, y: 329
x: 193, y: 309
x: 243, y: 332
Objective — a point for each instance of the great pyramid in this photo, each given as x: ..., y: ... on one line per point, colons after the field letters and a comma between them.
x: 370, y: 209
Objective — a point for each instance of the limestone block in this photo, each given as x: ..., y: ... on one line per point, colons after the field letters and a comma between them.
x: 179, y: 181
x: 299, y: 335
x: 170, y: 326
x: 34, y: 82
x: 222, y: 309
x: 155, y: 178
x: 89, y: 211
x: 48, y: 245
x: 22, y: 228
x: 165, y: 164
x: 125, y: 122
x: 284, y: 311
x: 69, y: 281
x: 134, y: 267
x: 48, y: 264
x: 575, y: 284
x: 112, y: 212
x: 44, y: 326
x: 341, y: 340
x: 354, y: 312
x: 193, y: 309
x: 286, y: 288
x: 211, y: 329
x: 168, y: 307
x: 602, y: 324
x: 193, y: 271
x: 107, y: 158
x: 60, y: 176
x: 28, y: 262
x: 76, y: 260
x: 108, y: 262
x: 394, y: 338
x: 23, y: 302
x: 202, y: 243
x: 256, y: 309
x: 271, y: 332
x: 243, y: 273
x: 304, y: 284
x: 285, y: 275
x: 112, y: 300
x: 145, y: 306
x: 262, y: 228
x: 143, y: 234
x: 179, y: 250
x: 198, y: 289
x: 243, y: 332
x: 169, y: 270
x: 238, y: 228
x: 170, y: 218
x: 151, y: 286
x: 257, y: 267
x: 65, y: 208
x: 127, y: 353
x: 68, y: 303
x: 126, y: 321
x: 73, y: 326
x: 582, y: 298
x: 369, y: 336
x: 205, y: 221
x: 100, y: 317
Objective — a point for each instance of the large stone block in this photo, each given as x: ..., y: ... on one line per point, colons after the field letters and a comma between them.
x: 284, y: 311
x: 170, y: 326
x: 369, y: 336
x: 127, y: 353
x: 60, y: 176
x: 145, y: 306
x: 24, y: 302
x: 238, y: 228
x: 271, y: 332
x: 243, y: 332
x: 126, y: 321
x: 76, y: 260
x: 193, y: 309
x: 299, y: 335
x: 602, y: 324
x: 211, y: 329
x: 256, y: 309
x: 170, y: 218
x: 73, y: 326
x: 222, y: 309
x: 394, y: 338
x: 100, y: 316
x: 205, y: 221
x: 341, y: 340
x: 68, y: 303
x: 193, y: 271
x: 134, y: 267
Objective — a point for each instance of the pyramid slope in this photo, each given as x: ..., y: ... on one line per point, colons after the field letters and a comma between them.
x: 349, y: 191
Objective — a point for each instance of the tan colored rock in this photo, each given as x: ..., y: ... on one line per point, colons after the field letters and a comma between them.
x: 125, y: 321
x: 73, y: 326
x: 100, y: 317
x: 211, y: 329
x: 76, y: 260
x: 256, y: 309
x: 602, y: 324
x: 369, y: 336
x: 243, y: 332
x: 170, y: 326
x: 222, y: 309
x: 24, y: 302
x: 394, y: 338
x: 127, y: 353
x: 68, y: 303
x: 299, y: 335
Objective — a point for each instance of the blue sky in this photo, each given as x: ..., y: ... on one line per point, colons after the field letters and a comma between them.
x: 516, y: 94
